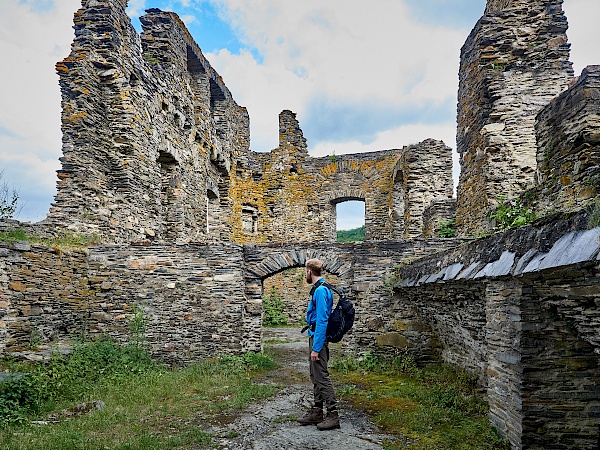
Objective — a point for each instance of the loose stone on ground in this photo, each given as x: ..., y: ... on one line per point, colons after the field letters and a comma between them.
x: 271, y: 424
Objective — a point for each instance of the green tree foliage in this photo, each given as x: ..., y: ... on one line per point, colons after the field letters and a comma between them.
x: 354, y: 235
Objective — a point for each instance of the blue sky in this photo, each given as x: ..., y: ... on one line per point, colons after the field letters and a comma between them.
x: 362, y: 76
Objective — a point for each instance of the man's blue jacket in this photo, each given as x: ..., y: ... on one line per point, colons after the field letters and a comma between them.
x: 318, y: 313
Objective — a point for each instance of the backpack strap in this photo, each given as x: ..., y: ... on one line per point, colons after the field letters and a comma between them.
x: 327, y: 285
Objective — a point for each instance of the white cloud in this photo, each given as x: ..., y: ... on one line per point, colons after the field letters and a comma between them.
x: 135, y: 8
x: 346, y: 51
x: 583, y: 33
x: 30, y: 136
x: 352, y: 50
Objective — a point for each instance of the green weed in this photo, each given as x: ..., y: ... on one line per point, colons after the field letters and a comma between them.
x: 148, y: 406
x: 447, y: 228
x: 433, y: 407
x: 66, y: 242
x: 511, y: 214
x: 274, y: 310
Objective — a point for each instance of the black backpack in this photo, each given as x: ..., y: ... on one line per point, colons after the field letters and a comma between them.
x: 342, y: 316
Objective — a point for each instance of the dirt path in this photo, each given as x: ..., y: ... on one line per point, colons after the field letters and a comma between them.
x: 270, y: 424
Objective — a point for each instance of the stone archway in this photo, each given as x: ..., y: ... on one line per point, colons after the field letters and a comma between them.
x: 265, y: 261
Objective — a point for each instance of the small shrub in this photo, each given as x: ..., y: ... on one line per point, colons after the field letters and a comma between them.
x: 19, y: 396
x: 249, y: 362
x: 511, y: 214
x: 273, y: 307
x: 447, y: 228
x: 9, y: 200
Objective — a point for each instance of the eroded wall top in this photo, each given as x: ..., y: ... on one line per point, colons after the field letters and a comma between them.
x: 513, y: 63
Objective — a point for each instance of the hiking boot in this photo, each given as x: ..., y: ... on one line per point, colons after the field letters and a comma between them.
x: 312, y: 417
x: 331, y: 421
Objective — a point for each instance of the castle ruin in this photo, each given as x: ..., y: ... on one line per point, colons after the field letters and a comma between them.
x: 157, y: 163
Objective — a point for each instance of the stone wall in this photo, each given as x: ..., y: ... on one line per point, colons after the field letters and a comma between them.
x: 513, y: 63
x: 521, y: 310
x: 149, y: 131
x: 156, y: 149
x: 198, y: 299
x: 568, y: 140
x: 291, y: 197
x: 191, y: 295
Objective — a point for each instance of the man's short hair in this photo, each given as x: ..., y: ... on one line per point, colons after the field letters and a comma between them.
x: 315, y: 265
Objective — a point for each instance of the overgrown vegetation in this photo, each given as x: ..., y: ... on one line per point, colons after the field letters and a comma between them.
x: 447, y: 228
x: 66, y: 242
x: 511, y: 214
x: 148, y: 406
x: 354, y: 235
x: 274, y: 314
x: 9, y: 199
x: 434, y: 408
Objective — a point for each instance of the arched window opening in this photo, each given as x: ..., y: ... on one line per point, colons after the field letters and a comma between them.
x: 350, y: 221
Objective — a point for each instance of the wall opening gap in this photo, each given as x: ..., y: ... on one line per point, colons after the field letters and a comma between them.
x: 350, y: 221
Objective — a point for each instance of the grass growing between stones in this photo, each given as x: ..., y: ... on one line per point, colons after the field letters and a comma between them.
x: 147, y: 405
x: 65, y: 242
x: 433, y: 408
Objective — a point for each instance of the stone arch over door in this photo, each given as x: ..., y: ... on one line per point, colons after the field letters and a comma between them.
x: 265, y: 261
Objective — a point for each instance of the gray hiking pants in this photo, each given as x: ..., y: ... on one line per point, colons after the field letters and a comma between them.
x: 319, y: 377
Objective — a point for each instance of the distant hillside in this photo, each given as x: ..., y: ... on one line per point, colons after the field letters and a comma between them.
x: 355, y: 235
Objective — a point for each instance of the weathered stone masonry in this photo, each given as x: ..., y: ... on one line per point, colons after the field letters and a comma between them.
x: 157, y: 162
x: 522, y: 311
x: 156, y: 149
x: 199, y: 299
x: 513, y: 63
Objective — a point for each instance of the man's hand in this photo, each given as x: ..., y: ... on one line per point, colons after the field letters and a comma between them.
x: 314, y: 356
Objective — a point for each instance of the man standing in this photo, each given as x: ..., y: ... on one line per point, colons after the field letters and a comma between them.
x: 317, y: 315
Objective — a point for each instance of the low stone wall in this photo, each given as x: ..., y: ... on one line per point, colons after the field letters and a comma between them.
x: 197, y: 299
x: 521, y: 310
x: 192, y: 297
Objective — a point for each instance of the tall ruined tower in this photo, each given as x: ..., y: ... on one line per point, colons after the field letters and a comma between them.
x: 513, y: 63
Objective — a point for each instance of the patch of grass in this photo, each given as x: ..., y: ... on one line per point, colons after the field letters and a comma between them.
x: 15, y: 235
x: 435, y: 407
x: 66, y: 242
x: 148, y: 406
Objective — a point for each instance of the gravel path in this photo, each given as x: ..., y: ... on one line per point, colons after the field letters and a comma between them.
x: 270, y: 424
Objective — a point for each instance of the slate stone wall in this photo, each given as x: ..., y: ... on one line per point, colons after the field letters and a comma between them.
x: 520, y: 310
x: 514, y: 62
x: 292, y: 197
x: 191, y: 295
x: 149, y: 131
x: 198, y: 299
x: 568, y: 155
x: 156, y: 149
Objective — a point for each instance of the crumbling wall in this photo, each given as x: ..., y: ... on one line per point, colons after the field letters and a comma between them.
x: 156, y: 149
x: 513, y: 63
x: 149, y: 130
x: 286, y: 195
x: 568, y: 141
x: 191, y: 296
